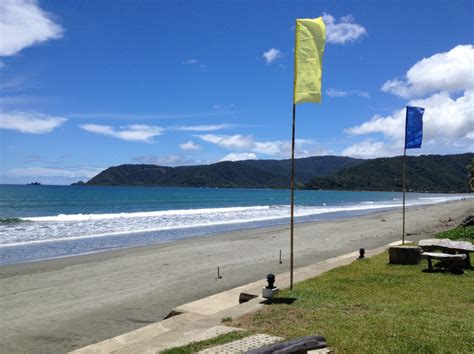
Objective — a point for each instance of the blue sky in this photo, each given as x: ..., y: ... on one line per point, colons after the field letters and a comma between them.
x: 85, y: 85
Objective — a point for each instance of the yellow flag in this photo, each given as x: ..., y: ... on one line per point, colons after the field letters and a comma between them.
x: 309, y: 49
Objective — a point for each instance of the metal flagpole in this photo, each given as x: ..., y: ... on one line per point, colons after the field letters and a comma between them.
x: 404, y: 191
x: 292, y: 183
x: 313, y: 48
x: 404, y: 181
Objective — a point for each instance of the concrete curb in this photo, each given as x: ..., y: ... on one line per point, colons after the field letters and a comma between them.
x: 196, y: 318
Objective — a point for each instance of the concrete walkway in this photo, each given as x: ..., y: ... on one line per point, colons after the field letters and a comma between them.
x: 202, y: 319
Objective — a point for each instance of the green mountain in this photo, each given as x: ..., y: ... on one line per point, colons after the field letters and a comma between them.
x: 306, y: 168
x: 243, y: 174
x: 427, y: 173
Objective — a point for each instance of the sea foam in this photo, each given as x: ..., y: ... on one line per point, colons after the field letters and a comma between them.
x: 63, y: 227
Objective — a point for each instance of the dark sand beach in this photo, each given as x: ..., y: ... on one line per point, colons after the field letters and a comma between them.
x: 55, y: 306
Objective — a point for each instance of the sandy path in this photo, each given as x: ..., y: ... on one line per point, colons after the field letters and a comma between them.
x: 59, y: 305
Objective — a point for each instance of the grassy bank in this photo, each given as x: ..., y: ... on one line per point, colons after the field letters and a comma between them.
x: 371, y: 306
x: 459, y: 233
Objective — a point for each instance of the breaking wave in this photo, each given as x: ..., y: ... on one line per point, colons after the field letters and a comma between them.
x: 43, y: 229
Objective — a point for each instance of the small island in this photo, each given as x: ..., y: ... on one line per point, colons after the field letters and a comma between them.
x: 78, y: 183
x: 34, y: 184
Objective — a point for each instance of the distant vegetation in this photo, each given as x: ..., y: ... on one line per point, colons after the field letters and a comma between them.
x: 430, y: 173
x: 239, y: 174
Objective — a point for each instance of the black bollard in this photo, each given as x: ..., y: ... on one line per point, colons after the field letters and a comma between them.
x: 361, y: 253
x: 271, y: 281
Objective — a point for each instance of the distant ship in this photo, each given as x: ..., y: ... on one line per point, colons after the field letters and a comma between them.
x: 34, y: 184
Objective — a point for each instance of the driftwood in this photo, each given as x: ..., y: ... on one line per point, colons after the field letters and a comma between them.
x: 295, y: 346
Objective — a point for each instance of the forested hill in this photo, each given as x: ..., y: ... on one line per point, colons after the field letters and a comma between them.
x: 429, y: 173
x: 244, y: 174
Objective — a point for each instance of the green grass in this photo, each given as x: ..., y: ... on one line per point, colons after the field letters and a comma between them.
x: 197, y: 346
x: 459, y: 233
x: 371, y: 306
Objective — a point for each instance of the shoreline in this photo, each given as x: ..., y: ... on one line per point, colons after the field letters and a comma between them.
x: 58, y: 305
x: 282, y: 223
x: 146, y: 238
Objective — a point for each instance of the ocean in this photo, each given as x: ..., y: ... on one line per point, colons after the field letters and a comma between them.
x: 42, y: 222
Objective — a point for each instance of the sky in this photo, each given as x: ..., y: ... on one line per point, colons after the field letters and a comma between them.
x: 85, y: 85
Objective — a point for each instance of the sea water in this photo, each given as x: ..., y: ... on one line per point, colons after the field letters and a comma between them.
x: 40, y: 222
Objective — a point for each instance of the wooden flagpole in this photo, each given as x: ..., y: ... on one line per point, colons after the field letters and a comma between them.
x: 292, y: 184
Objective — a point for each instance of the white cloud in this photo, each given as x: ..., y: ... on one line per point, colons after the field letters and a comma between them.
x: 32, y: 123
x: 343, y: 32
x: 369, y: 149
x: 341, y: 93
x: 193, y: 61
x: 451, y: 71
x: 189, y: 61
x: 23, y: 24
x: 271, y: 55
x: 239, y: 156
x: 391, y: 126
x: 228, y: 141
x: 272, y: 148
x: 201, y: 128
x: 447, y: 123
x: 189, y: 146
x: 54, y: 172
x: 136, y: 132
x: 282, y: 148
x: 275, y: 148
x: 444, y: 118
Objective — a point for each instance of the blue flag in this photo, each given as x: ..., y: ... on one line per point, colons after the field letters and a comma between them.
x: 414, y: 127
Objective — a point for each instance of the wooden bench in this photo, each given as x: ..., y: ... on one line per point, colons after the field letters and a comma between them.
x: 453, y: 263
x: 295, y: 346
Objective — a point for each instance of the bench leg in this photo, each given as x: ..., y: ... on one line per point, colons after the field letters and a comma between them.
x: 468, y: 261
x: 456, y: 267
x: 430, y: 265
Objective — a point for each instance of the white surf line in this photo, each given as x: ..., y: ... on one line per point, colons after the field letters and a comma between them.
x: 168, y: 228
x: 89, y: 217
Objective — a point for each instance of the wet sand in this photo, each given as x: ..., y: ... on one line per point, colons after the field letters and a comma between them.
x: 55, y: 306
